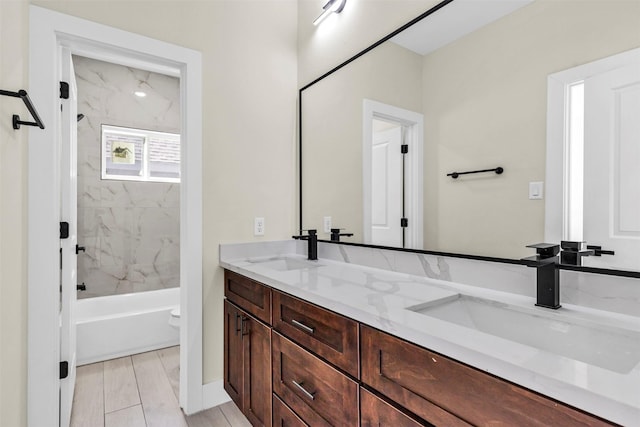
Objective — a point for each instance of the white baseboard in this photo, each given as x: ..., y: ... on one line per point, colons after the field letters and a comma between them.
x: 213, y: 394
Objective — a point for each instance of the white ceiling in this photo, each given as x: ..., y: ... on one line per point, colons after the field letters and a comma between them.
x: 454, y: 21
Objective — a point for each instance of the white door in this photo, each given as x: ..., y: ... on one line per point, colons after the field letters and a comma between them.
x: 612, y: 167
x: 387, y: 188
x: 68, y: 213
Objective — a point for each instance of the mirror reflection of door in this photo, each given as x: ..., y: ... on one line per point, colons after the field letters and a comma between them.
x: 392, y: 180
x: 600, y: 158
x: 612, y: 166
x: 387, y: 184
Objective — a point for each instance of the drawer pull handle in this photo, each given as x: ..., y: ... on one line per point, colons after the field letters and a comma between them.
x: 302, y: 389
x: 302, y: 326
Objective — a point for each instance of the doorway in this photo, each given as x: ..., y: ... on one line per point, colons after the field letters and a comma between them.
x: 50, y: 34
x: 392, y: 167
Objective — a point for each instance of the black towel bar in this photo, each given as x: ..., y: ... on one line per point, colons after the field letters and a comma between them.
x: 22, y: 94
x: 455, y: 175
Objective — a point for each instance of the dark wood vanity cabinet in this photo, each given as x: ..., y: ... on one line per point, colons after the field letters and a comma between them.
x: 247, y: 364
x: 314, y: 367
x: 445, y: 392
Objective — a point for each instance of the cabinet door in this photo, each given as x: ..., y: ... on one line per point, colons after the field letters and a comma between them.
x: 257, y: 372
x: 374, y: 412
x: 233, y: 354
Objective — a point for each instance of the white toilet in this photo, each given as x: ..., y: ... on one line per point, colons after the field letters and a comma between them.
x: 174, y: 318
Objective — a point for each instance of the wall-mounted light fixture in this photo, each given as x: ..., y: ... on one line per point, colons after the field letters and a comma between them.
x: 332, y: 6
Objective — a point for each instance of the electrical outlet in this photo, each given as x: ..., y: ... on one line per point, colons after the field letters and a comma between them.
x: 327, y: 224
x: 258, y: 226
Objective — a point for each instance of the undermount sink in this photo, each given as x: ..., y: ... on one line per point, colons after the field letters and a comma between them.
x: 287, y: 264
x: 607, y: 347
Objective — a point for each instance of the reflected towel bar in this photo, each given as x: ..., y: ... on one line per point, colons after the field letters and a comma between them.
x: 22, y: 94
x: 455, y: 175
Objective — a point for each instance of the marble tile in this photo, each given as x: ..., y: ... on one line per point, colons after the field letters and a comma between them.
x: 131, y: 229
x: 610, y: 293
x: 89, y: 192
x: 602, y: 292
x: 156, y: 222
x: 89, y: 165
x: 234, y: 251
x: 101, y: 280
x: 115, y: 194
x: 493, y: 275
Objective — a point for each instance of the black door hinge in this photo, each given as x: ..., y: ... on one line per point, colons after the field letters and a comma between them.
x: 64, y: 370
x: 64, y: 90
x: 64, y: 230
x: 404, y: 148
x: 404, y: 222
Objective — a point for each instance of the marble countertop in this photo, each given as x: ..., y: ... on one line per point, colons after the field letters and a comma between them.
x: 381, y: 298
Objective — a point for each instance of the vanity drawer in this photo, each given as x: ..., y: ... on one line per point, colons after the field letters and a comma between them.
x: 423, y: 381
x: 329, y: 335
x: 375, y: 412
x: 252, y: 296
x: 283, y: 416
x: 317, y: 392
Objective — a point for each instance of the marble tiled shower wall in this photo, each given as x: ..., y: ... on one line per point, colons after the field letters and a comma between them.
x: 131, y: 230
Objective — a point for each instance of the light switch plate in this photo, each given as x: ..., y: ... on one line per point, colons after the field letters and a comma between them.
x: 536, y: 190
x: 258, y: 226
x: 327, y: 224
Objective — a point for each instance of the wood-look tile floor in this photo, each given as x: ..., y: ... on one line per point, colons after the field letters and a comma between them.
x: 141, y: 391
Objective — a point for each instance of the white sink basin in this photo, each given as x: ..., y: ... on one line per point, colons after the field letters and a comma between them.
x: 287, y: 264
x: 607, y: 347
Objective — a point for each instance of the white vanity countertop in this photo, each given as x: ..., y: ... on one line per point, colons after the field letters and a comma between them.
x: 379, y: 298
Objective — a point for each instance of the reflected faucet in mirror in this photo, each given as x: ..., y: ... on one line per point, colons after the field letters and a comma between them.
x: 335, y: 234
x: 572, y: 252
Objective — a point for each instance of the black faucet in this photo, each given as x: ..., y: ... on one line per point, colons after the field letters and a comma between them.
x: 312, y: 243
x: 572, y: 252
x: 547, y: 274
x: 335, y: 234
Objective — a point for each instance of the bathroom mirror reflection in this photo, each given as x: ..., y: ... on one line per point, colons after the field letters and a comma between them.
x: 466, y: 89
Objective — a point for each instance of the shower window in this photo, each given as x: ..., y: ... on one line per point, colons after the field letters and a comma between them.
x: 140, y: 155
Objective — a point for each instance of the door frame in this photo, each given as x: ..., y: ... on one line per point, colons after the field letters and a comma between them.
x: 413, y: 123
x: 48, y: 31
x: 556, y: 226
x: 68, y: 247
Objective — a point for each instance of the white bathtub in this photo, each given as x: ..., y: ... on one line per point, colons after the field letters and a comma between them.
x: 120, y: 325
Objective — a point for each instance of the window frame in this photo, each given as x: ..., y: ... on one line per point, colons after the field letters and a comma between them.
x: 145, y: 135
